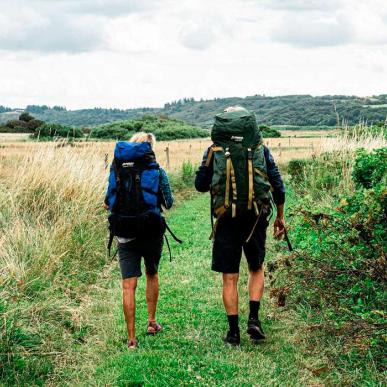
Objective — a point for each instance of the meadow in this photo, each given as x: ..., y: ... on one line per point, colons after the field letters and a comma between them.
x: 176, y: 152
x: 60, y: 299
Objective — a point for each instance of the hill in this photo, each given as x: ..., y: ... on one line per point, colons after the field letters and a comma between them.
x: 298, y: 110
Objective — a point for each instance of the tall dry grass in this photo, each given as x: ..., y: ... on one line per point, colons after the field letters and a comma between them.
x: 179, y: 151
x: 343, y: 148
x: 52, y: 248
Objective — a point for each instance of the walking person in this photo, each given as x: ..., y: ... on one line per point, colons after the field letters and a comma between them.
x: 240, y: 173
x: 137, y: 190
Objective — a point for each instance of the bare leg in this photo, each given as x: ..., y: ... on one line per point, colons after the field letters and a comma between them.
x: 256, y: 284
x: 129, y: 303
x: 152, y: 294
x: 230, y: 293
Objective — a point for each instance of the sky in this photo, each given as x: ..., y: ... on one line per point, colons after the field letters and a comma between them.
x: 137, y: 53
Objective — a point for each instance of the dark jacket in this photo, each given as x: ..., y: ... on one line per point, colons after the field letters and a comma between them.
x: 204, y: 177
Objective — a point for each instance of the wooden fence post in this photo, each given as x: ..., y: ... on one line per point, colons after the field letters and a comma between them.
x: 167, y: 156
x: 106, y: 160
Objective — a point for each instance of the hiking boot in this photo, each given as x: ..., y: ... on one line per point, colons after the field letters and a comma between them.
x: 254, y: 329
x: 153, y: 328
x: 233, y: 339
x: 132, y: 344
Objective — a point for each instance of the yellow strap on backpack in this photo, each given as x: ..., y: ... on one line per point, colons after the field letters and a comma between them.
x: 210, y: 155
x: 250, y: 172
x: 234, y: 192
x: 228, y: 178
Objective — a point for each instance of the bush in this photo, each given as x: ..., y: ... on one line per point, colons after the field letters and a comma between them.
x: 339, y: 269
x: 25, y: 124
x: 296, y: 169
x: 57, y: 130
x: 317, y: 176
x: 33, y: 124
x: 111, y: 133
x: 162, y: 127
x: 268, y: 132
x: 26, y: 117
x: 15, y: 126
x: 188, y: 172
x: 370, y: 168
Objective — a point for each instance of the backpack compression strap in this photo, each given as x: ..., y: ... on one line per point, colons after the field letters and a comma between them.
x: 234, y: 191
x: 250, y: 173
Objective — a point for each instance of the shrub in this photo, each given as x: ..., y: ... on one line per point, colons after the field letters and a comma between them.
x: 296, y: 169
x: 15, y: 126
x: 163, y: 128
x: 111, y: 133
x: 269, y: 132
x: 57, y: 130
x: 26, y: 117
x: 25, y: 124
x: 370, y: 168
x: 187, y: 171
x: 317, y: 176
x: 339, y: 269
x: 34, y: 124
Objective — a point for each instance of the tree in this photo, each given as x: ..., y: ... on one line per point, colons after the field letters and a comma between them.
x: 26, y: 117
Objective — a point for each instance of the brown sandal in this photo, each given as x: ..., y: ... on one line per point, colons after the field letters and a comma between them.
x: 153, y: 328
x: 133, y: 344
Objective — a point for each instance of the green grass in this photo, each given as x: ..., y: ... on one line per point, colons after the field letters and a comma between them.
x: 190, y: 350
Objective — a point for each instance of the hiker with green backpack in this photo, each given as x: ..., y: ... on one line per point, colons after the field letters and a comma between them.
x: 243, y: 179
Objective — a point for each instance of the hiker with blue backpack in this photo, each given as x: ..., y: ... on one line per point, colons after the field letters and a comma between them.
x: 137, y: 189
x: 243, y: 180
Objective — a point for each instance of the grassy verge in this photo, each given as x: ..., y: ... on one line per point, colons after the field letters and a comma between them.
x: 190, y: 350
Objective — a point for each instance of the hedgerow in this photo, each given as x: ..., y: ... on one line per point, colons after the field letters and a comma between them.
x: 338, y: 270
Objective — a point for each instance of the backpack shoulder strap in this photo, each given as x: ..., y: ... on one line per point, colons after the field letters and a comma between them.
x: 116, y: 173
x: 213, y: 148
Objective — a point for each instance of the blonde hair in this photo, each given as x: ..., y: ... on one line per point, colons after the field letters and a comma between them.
x: 144, y: 137
x: 234, y: 109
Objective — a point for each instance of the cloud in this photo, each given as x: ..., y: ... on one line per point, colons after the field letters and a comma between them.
x: 54, y: 34
x: 71, y: 26
x: 316, y: 31
x: 198, y: 36
x: 201, y: 27
x: 109, y: 8
x: 303, y: 5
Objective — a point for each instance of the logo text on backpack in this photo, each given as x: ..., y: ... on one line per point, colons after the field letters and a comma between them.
x: 127, y: 165
x: 237, y: 138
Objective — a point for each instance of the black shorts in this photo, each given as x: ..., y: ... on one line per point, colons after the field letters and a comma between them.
x: 130, y: 254
x: 230, y: 238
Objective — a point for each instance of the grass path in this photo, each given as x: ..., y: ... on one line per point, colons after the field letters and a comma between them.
x: 190, y: 350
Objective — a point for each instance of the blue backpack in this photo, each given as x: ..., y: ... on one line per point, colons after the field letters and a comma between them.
x: 133, y: 192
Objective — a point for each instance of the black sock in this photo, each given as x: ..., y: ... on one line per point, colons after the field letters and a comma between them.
x: 233, y: 323
x: 254, y: 307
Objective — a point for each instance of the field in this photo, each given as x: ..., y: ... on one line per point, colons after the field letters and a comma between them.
x: 283, y: 149
x: 60, y: 297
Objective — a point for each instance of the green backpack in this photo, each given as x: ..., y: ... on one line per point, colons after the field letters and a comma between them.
x: 239, y: 181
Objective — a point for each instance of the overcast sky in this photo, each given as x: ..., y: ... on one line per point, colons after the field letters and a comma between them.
x: 133, y: 53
